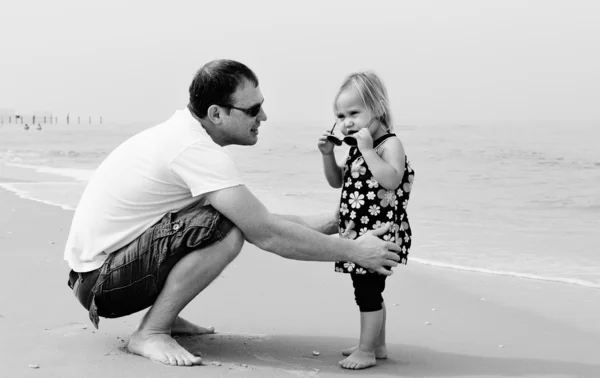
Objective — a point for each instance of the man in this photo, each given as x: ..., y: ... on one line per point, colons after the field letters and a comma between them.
x: 166, y: 212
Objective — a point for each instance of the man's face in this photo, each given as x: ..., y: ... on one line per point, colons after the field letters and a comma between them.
x: 240, y: 127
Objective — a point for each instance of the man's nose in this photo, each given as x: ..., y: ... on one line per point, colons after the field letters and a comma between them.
x: 262, y: 116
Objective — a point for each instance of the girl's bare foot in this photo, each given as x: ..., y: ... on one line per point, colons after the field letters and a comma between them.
x: 358, y: 360
x: 380, y: 352
x: 161, y: 347
x: 182, y: 326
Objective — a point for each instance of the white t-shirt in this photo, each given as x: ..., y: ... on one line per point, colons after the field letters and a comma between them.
x: 162, y: 169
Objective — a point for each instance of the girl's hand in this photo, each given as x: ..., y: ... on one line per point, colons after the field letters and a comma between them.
x: 364, y: 140
x: 325, y: 146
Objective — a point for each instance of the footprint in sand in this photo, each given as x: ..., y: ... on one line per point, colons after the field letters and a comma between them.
x: 71, y: 329
x: 238, y: 368
x: 265, y: 357
x: 304, y: 373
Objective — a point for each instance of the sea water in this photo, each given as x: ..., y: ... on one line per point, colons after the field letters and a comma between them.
x: 518, y: 199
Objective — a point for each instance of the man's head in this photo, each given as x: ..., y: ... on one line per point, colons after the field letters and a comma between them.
x: 225, y: 95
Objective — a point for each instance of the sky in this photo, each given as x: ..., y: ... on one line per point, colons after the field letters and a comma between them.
x: 443, y: 62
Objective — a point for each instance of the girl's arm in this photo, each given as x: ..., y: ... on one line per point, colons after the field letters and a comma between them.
x: 333, y: 172
x: 388, y: 169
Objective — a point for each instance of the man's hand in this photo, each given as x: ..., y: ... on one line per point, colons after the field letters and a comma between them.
x: 377, y: 254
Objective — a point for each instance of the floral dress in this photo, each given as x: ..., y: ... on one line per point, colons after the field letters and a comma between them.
x: 365, y: 205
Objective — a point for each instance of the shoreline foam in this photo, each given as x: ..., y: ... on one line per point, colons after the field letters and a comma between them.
x: 79, y: 174
x: 570, y: 281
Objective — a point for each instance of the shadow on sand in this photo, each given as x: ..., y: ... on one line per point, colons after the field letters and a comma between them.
x: 294, y: 354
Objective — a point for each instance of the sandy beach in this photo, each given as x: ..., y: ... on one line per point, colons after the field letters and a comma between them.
x: 271, y: 314
x: 495, y: 104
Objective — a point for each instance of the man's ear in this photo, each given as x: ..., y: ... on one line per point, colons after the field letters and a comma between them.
x: 215, y: 114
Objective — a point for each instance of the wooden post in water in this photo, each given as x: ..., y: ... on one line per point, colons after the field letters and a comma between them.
x: 101, y: 120
x: 67, y: 118
x: 78, y: 120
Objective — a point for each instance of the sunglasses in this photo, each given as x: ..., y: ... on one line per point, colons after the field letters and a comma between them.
x: 349, y: 140
x: 251, y: 111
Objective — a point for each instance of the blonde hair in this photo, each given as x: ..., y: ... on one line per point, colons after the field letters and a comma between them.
x: 373, y: 93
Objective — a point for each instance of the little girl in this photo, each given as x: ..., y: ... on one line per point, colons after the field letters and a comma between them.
x: 376, y: 181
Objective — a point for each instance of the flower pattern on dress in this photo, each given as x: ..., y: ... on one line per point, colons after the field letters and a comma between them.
x: 357, y: 169
x: 388, y: 237
x: 371, y: 206
x: 372, y: 183
x: 374, y: 210
x: 388, y: 198
x: 344, y: 208
x: 404, y: 226
x: 356, y: 200
x: 348, y: 232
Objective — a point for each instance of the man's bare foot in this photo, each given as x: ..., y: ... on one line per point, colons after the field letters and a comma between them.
x: 182, y: 326
x: 359, y: 360
x: 380, y: 352
x: 161, y: 348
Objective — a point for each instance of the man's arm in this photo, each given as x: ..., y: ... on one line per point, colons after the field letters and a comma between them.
x: 289, y: 240
x: 324, y: 223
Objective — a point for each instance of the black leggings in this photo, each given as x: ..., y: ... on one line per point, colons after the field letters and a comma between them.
x: 367, y: 291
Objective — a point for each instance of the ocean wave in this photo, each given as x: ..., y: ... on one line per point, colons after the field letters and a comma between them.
x: 33, y: 196
x: 79, y: 174
x: 54, y: 153
x: 563, y: 280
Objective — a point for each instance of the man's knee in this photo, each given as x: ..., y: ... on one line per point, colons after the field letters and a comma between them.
x: 234, y: 241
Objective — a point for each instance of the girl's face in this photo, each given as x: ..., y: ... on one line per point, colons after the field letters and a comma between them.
x: 352, y: 114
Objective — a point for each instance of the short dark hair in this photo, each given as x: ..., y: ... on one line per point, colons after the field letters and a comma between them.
x: 216, y: 82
